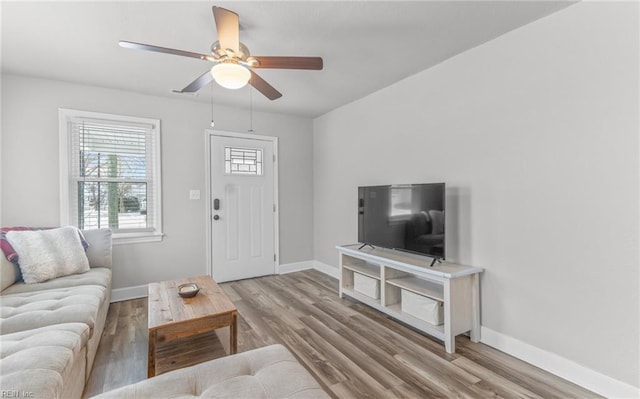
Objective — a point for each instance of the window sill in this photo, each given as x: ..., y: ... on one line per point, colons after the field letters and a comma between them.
x: 136, y: 238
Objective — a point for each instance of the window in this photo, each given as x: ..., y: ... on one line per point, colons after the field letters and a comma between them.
x: 110, y: 174
x: 243, y: 161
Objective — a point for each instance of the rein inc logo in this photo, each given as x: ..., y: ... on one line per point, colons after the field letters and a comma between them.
x: 15, y: 393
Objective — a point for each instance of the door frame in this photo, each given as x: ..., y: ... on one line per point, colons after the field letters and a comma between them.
x: 208, y: 134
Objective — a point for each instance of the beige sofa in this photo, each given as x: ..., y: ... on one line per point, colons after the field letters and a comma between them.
x: 50, y: 331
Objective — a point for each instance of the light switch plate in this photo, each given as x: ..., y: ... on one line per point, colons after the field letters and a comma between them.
x: 194, y: 194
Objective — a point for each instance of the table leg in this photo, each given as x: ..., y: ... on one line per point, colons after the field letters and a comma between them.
x: 151, y: 360
x: 233, y: 334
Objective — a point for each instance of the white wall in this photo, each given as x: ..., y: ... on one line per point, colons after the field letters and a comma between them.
x: 30, y: 192
x: 536, y: 135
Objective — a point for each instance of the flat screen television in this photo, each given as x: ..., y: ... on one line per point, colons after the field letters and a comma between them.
x: 406, y: 217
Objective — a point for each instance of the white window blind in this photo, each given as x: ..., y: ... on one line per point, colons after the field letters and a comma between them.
x: 113, y: 173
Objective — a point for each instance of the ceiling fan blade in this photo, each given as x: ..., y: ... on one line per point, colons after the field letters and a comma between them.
x: 197, y: 84
x: 263, y: 87
x: 148, y: 47
x: 228, y: 27
x: 310, y: 63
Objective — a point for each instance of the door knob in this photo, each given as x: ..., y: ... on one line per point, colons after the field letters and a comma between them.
x: 216, y: 217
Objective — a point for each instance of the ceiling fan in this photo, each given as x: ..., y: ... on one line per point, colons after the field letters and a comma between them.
x: 234, y: 65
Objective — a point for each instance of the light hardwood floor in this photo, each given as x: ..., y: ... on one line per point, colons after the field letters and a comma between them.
x: 352, y: 350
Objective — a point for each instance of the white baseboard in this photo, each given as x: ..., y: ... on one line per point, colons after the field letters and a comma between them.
x: 295, y: 267
x: 309, y: 264
x: 562, y: 367
x: 326, y: 269
x: 124, y: 294
x: 141, y: 291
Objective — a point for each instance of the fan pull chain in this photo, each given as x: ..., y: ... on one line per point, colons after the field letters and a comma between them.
x: 212, y: 122
x: 250, y: 109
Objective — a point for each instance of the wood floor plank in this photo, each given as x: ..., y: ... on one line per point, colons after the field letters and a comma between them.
x: 411, y: 392
x: 366, y: 341
x: 252, y: 292
x: 289, y: 295
x: 529, y: 377
x: 364, y: 360
x: 247, y: 336
x: 321, y: 280
x: 358, y: 379
x: 382, y: 338
x: 448, y: 382
x: 353, y: 351
x: 261, y: 333
x: 310, y: 356
x: 121, y: 358
x: 493, y: 384
x: 413, y: 337
x: 231, y: 293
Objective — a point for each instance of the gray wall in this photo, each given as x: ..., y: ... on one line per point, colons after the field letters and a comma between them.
x: 536, y: 135
x: 30, y: 182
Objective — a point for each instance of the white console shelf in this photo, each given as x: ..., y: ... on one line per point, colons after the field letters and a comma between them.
x: 456, y: 289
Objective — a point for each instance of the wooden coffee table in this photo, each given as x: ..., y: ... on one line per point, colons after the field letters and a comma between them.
x: 174, y: 320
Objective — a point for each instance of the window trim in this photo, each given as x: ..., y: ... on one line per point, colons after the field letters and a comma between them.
x: 64, y: 116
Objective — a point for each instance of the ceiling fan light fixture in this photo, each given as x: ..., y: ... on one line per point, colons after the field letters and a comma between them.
x: 230, y: 75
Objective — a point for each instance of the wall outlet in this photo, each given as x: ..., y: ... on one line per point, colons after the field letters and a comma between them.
x: 194, y: 194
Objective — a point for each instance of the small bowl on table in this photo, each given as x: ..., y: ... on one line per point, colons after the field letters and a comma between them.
x: 188, y: 290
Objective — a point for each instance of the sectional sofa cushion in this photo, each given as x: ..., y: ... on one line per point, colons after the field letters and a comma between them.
x: 44, y: 362
x: 47, y: 254
x: 100, y: 276
x: 29, y: 310
x: 269, y: 372
x: 22, y: 349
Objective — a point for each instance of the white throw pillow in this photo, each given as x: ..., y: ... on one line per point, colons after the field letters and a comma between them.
x: 47, y: 254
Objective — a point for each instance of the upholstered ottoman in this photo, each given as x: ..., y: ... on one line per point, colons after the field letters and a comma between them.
x: 269, y: 372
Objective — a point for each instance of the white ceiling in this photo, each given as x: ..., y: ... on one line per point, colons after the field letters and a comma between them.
x: 365, y: 45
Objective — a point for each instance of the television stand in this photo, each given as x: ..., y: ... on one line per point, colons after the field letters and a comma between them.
x: 366, y: 245
x: 433, y: 262
x: 441, y: 300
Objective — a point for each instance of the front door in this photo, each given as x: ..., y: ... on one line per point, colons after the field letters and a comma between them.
x: 243, y: 206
